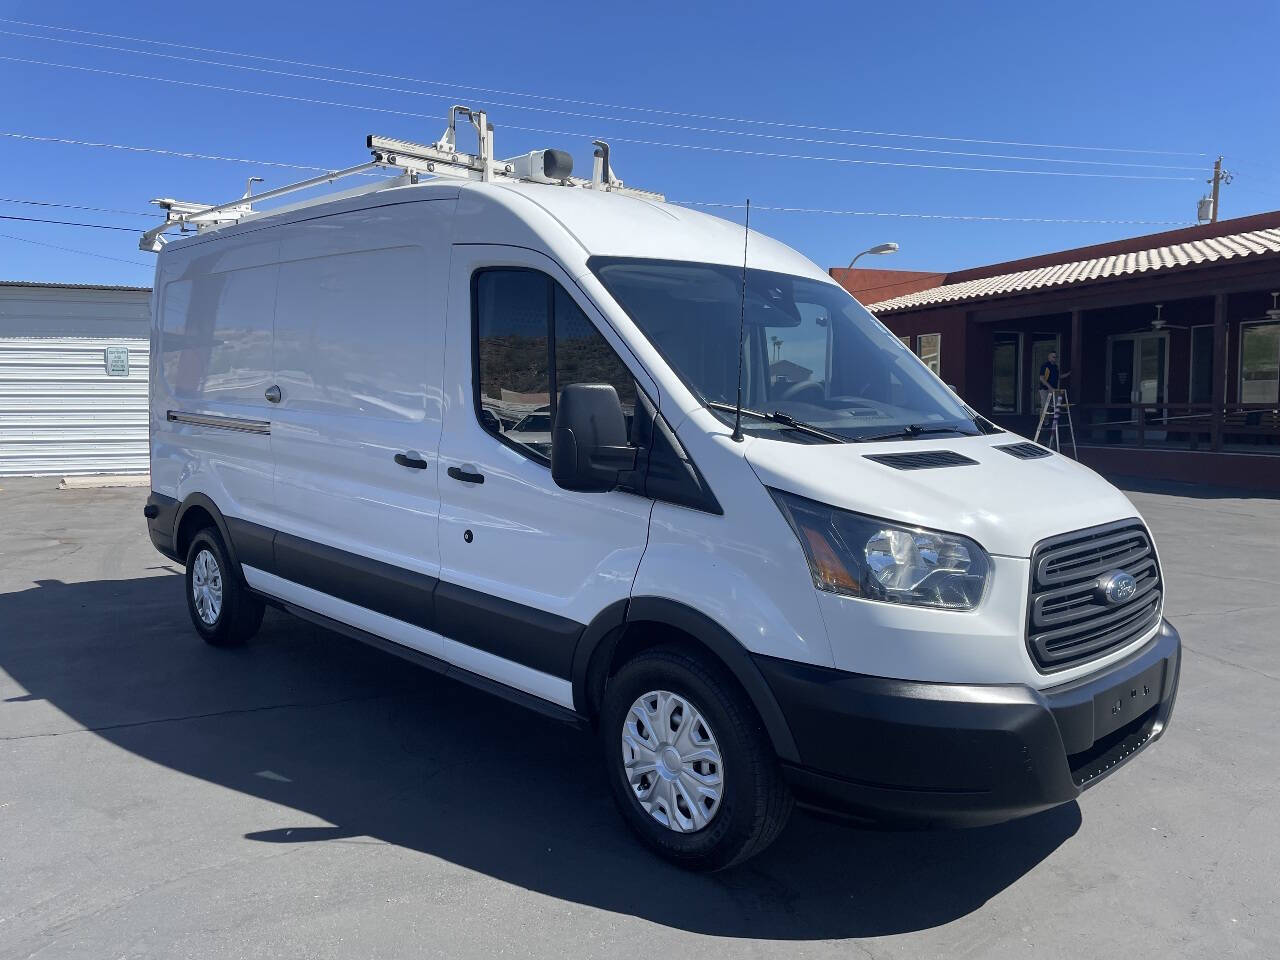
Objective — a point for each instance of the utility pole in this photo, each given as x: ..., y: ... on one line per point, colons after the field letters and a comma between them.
x: 1220, y: 177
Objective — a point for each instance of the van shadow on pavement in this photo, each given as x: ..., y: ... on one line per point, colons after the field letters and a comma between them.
x: 380, y: 749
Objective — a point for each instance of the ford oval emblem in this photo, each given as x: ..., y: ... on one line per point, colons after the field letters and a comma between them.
x: 1117, y: 586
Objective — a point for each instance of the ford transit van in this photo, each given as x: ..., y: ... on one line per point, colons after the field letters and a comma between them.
x: 492, y: 424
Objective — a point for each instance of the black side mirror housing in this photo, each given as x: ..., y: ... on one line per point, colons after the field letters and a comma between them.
x: 589, y: 449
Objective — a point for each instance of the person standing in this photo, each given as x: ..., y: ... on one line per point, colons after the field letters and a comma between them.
x: 1050, y: 378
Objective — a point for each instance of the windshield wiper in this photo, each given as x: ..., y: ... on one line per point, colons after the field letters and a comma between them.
x: 791, y: 423
x: 910, y: 430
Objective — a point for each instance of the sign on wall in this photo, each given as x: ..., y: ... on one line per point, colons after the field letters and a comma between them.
x: 117, y: 361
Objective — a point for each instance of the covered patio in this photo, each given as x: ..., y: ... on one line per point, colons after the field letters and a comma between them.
x: 1170, y: 354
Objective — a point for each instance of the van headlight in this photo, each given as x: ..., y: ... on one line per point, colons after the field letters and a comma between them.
x: 878, y: 560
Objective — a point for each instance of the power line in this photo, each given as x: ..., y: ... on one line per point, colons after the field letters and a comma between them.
x: 68, y: 223
x: 687, y: 203
x: 87, y: 253
x: 725, y: 206
x: 594, y: 117
x: 931, y: 216
x: 632, y: 140
x: 186, y: 155
x: 594, y: 103
x: 73, y: 206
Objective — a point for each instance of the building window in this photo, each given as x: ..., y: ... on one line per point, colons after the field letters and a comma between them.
x: 1042, y: 344
x: 1259, y: 362
x: 1201, y: 387
x: 521, y: 366
x: 929, y: 348
x: 906, y: 342
x: 1006, y: 373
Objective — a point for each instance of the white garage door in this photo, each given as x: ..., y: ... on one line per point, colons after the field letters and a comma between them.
x: 63, y: 412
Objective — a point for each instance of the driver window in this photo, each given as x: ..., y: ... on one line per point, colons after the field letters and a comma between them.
x: 531, y: 341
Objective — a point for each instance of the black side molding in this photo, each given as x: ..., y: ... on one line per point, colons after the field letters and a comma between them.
x: 516, y: 632
x: 513, y: 631
x: 527, y: 700
x: 390, y: 590
x: 162, y: 524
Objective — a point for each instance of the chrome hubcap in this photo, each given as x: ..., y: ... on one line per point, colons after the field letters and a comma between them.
x: 206, y: 587
x: 672, y: 761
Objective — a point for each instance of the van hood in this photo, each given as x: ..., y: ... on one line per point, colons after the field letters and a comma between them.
x: 1006, y: 504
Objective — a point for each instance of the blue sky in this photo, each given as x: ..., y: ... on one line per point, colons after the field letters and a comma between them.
x: 1189, y: 78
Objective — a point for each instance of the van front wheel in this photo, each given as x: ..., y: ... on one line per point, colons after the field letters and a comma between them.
x: 222, y: 609
x: 689, y: 762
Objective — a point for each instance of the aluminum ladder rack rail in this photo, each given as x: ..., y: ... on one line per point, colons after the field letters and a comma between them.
x: 441, y: 159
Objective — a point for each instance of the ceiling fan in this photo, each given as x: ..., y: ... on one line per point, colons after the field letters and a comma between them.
x: 1273, y: 314
x: 1160, y: 324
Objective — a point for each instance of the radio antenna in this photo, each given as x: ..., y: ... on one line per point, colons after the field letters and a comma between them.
x: 742, y: 323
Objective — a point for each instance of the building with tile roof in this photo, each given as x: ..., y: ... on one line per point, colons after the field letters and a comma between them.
x: 1168, y: 344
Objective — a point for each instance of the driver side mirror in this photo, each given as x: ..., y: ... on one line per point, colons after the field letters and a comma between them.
x: 589, y: 448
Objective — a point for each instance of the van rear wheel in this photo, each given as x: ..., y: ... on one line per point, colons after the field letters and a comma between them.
x: 222, y: 609
x: 689, y: 763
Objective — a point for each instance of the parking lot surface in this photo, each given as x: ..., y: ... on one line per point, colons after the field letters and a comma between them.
x: 308, y: 797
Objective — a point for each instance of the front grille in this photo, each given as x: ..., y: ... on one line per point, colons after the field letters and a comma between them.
x: 1068, y: 619
x: 924, y: 460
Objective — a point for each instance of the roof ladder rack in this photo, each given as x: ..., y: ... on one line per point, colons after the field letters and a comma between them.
x: 413, y: 160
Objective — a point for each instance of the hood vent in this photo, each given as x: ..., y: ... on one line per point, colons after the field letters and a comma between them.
x: 925, y: 460
x: 1025, y: 451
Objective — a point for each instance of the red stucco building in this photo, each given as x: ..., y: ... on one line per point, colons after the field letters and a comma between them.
x: 1172, y: 341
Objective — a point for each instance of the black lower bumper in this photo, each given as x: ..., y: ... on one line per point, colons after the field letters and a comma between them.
x: 932, y: 754
x: 162, y: 514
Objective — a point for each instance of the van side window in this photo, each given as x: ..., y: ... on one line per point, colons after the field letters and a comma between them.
x: 583, y: 356
x: 531, y: 341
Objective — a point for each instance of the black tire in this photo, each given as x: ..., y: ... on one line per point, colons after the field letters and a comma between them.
x: 755, y: 802
x: 239, y: 614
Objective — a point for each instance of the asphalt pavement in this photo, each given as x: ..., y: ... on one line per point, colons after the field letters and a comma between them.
x: 306, y: 796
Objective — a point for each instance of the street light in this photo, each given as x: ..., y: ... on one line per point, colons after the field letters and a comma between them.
x: 878, y: 250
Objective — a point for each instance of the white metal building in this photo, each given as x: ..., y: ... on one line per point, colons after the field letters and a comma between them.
x: 73, y: 378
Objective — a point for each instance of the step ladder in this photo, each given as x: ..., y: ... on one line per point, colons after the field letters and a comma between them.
x: 1055, y: 406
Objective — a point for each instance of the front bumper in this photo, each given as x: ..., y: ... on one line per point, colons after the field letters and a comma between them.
x: 933, y: 754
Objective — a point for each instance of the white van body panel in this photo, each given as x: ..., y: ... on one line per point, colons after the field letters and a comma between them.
x: 1005, y: 504
x: 359, y: 344
x: 566, y: 553
x: 601, y: 224
x: 212, y: 344
x: 745, y: 570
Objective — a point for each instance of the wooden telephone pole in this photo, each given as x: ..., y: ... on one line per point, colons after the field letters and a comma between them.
x: 1220, y: 177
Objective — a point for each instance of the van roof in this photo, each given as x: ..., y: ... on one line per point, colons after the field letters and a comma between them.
x: 600, y: 223
x: 618, y: 225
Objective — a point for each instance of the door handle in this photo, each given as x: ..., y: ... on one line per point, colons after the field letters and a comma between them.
x: 273, y: 394
x: 412, y: 460
x: 466, y: 476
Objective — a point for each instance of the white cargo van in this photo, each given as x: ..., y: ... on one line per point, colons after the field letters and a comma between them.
x: 487, y: 422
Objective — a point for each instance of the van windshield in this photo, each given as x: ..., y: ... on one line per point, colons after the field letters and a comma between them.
x: 810, y: 351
